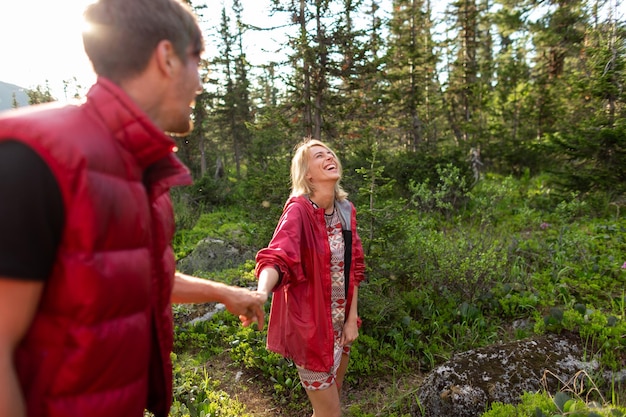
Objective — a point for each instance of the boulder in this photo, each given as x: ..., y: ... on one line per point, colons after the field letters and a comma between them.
x: 214, y: 255
x: 470, y: 381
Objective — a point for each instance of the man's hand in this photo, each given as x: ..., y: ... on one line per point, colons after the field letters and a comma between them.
x: 252, y: 316
x: 246, y: 304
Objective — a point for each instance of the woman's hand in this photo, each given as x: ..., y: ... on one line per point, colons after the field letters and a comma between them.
x: 350, y: 332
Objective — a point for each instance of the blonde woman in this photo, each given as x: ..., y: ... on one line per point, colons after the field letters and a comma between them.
x: 314, y: 265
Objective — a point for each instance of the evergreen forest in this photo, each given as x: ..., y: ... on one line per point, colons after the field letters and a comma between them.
x: 484, y: 146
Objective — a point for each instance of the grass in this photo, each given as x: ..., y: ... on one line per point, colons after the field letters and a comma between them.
x: 438, y: 283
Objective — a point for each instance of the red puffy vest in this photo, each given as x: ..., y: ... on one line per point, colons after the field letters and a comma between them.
x: 100, y: 343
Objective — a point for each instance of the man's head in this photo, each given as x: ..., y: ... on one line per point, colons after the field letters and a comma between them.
x: 123, y: 34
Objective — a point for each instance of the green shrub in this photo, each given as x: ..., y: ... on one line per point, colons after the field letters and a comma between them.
x: 543, y: 405
x: 248, y: 347
x: 198, y: 395
x: 448, y: 280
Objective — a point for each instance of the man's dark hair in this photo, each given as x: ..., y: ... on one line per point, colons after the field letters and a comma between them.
x: 122, y: 34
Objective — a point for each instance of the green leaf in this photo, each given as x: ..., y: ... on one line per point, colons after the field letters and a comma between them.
x: 560, y: 399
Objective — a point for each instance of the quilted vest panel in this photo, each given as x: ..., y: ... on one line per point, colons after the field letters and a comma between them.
x: 100, y: 342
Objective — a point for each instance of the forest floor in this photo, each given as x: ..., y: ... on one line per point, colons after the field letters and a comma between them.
x: 250, y: 388
x: 370, y: 396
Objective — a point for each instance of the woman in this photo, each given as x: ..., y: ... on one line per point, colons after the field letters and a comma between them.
x: 314, y: 264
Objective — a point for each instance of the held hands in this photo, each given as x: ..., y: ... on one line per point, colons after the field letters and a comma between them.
x: 254, y: 311
x: 241, y: 302
x: 248, y: 305
x: 248, y: 319
x: 267, y: 280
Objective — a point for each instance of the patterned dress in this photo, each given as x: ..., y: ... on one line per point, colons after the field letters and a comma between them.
x: 312, y: 380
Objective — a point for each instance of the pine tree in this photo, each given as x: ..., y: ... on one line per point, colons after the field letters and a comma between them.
x: 411, y: 72
x: 593, y: 143
x: 41, y: 94
x: 465, y: 80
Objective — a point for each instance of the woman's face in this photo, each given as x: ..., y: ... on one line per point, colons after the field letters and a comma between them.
x: 323, y: 166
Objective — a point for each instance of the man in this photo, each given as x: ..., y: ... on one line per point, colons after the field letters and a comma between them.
x: 87, y: 272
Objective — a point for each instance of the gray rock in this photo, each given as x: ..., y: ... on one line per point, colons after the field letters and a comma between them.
x: 214, y: 255
x: 470, y: 381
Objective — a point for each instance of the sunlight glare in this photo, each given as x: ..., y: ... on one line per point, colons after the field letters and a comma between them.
x: 45, y: 43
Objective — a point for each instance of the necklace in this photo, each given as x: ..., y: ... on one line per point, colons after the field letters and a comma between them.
x: 317, y: 206
x: 330, y: 217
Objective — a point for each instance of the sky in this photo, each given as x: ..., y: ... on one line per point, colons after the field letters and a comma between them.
x: 40, y: 41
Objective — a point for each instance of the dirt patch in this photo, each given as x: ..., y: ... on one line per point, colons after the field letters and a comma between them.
x: 378, y: 396
x: 243, y: 385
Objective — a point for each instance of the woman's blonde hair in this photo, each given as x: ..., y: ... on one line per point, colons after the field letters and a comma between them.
x: 300, y: 166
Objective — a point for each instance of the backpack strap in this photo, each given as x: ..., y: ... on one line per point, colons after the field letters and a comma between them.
x: 345, y: 216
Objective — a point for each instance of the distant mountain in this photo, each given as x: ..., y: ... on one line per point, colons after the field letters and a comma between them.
x: 6, y: 95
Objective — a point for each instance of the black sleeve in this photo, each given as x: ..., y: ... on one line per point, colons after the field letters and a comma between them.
x: 31, y: 213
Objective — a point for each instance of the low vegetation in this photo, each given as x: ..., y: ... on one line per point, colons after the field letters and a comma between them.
x: 451, y: 267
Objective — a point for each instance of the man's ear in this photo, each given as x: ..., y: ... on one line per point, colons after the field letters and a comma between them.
x: 165, y: 56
